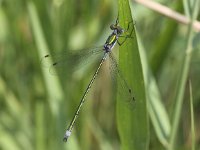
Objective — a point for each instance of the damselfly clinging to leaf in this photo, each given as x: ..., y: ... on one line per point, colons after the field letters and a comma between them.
x: 117, y: 33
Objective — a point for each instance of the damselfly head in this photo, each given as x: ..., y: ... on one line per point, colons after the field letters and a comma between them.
x: 117, y: 28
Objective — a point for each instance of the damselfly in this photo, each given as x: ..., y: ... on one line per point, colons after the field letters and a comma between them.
x: 106, y: 50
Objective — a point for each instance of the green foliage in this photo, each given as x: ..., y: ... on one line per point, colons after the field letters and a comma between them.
x: 36, y: 106
x: 192, y: 118
x: 183, y: 74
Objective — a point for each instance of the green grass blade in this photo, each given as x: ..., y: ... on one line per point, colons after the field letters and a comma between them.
x: 132, y: 124
x: 183, y: 76
x: 164, y: 40
x: 54, y: 90
x: 52, y: 84
x: 157, y: 112
x: 192, y: 118
x: 13, y: 110
x: 40, y: 128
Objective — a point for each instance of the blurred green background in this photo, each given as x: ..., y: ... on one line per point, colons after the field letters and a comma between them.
x: 36, y: 106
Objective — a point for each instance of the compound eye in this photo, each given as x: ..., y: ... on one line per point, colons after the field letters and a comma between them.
x: 112, y: 26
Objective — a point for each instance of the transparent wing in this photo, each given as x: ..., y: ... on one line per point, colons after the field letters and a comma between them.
x: 70, y: 60
x: 123, y: 88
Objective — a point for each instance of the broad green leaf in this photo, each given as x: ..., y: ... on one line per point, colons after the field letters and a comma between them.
x: 132, y: 124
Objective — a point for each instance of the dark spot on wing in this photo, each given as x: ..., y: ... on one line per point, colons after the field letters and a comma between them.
x: 54, y: 63
x: 133, y: 98
x: 46, y: 56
